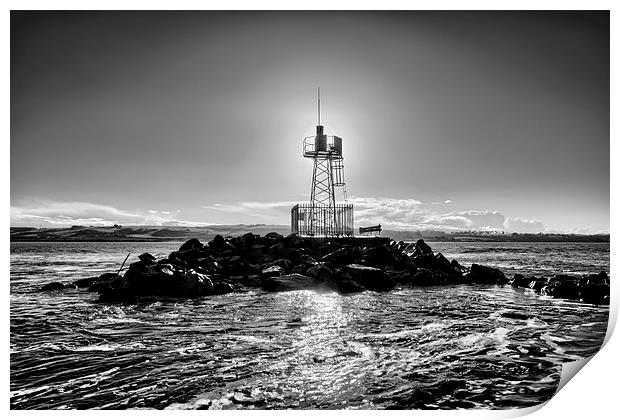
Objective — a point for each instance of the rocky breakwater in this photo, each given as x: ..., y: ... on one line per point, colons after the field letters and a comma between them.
x: 347, y: 265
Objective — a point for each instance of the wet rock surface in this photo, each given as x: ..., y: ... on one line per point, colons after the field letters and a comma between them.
x: 277, y: 263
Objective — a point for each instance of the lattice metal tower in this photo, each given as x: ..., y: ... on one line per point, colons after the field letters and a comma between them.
x: 325, y: 215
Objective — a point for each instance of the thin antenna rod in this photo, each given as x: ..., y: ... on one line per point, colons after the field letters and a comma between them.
x: 319, y: 104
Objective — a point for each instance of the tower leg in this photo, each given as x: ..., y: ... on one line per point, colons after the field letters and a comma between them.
x: 322, y: 199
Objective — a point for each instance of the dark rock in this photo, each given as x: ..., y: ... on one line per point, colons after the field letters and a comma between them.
x: 519, y: 280
x: 147, y: 258
x: 248, y: 239
x: 563, y: 287
x: 562, y: 278
x: 236, y: 279
x: 516, y: 315
x: 252, y: 280
x: 273, y: 271
x: 369, y: 277
x: 276, y: 248
x: 441, y: 264
x: 112, y: 295
x: 421, y: 248
x: 107, y: 280
x: 455, y: 264
x: 252, y: 254
x: 53, y: 286
x: 289, y: 282
x: 600, y: 278
x: 425, y: 277
x: 399, y: 276
x: 187, y: 257
x: 340, y: 256
x: 222, y: 288
x: 145, y: 281
x: 274, y: 235
x: 379, y: 256
x: 191, y: 244
x: 537, y: 283
x: 299, y: 269
x: 307, y: 259
x: 140, y: 265
x: 346, y: 286
x: 87, y: 282
x: 485, y: 275
x: 595, y: 293
x: 230, y: 247
x: 189, y: 284
x: 282, y: 262
x: 321, y: 272
x: 217, y: 242
x: 290, y: 253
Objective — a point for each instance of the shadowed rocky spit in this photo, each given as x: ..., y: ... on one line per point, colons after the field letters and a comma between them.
x: 277, y: 263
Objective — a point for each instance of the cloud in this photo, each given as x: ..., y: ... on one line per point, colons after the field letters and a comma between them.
x: 63, y: 214
x: 394, y: 213
x: 517, y: 224
x: 411, y: 214
x: 391, y: 213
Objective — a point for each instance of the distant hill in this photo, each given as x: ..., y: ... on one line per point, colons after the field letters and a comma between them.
x: 139, y: 233
x: 173, y: 233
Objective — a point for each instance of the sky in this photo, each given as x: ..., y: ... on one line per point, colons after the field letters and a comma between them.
x: 450, y: 120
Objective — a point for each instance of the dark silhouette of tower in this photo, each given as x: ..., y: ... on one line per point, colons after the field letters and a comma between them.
x: 324, y: 215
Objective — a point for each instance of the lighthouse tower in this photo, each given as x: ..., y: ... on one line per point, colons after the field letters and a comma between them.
x: 328, y: 213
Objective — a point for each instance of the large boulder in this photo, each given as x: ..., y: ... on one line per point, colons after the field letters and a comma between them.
x: 247, y: 240
x: 600, y: 278
x: 252, y: 280
x: 189, y: 284
x: 439, y: 263
x: 53, y: 286
x: 274, y: 235
x: 485, y: 275
x: 595, y: 293
x: 421, y: 248
x: 379, y: 256
x: 370, y: 277
x: 217, y: 242
x: 399, y: 276
x: 186, y: 257
x: 290, y: 282
x: 340, y: 256
x: 537, y: 283
x: 86, y: 282
x: 562, y: 287
x: 222, y: 288
x: 106, y: 280
x: 425, y: 277
x: 273, y: 271
x: 347, y: 286
x: 191, y: 244
x: 519, y: 280
x: 147, y: 258
x: 321, y: 272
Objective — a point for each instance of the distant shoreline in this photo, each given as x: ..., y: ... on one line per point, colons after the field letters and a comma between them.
x: 179, y: 234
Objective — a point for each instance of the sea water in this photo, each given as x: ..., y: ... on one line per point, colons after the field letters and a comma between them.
x: 436, y: 347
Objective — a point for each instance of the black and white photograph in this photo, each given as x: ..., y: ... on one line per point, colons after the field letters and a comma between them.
x: 306, y: 209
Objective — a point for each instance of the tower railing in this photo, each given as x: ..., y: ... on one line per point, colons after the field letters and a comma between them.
x: 333, y: 143
x: 322, y: 220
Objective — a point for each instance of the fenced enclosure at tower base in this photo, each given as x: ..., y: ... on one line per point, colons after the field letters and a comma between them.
x: 322, y: 220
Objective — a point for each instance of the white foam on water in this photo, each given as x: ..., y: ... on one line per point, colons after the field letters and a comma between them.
x: 497, y: 338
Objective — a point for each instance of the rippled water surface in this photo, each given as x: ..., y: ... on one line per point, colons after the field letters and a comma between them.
x: 449, y: 347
